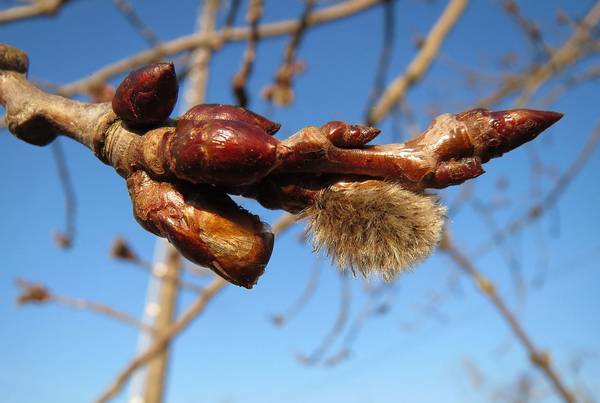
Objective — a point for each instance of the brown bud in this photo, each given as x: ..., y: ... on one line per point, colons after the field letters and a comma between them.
x: 349, y: 136
x: 200, y: 113
x: 205, y: 225
x: 121, y: 250
x: 220, y: 152
x: 495, y: 133
x: 147, y: 96
x: 13, y: 59
x: 32, y: 293
x: 454, y: 172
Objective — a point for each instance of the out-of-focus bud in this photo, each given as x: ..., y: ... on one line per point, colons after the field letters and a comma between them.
x: 32, y: 293
x: 205, y: 225
x: 201, y: 113
x: 220, y: 152
x: 147, y: 96
x: 348, y: 136
x: 121, y: 250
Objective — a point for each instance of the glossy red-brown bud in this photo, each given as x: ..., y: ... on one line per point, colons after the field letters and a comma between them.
x: 495, y: 133
x: 201, y: 113
x: 348, y: 136
x: 454, y: 172
x: 220, y: 152
x: 205, y: 225
x: 147, y: 96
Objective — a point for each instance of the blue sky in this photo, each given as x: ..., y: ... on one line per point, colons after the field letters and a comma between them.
x: 233, y: 353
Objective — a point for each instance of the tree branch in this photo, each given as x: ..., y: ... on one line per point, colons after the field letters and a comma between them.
x: 538, y: 209
x: 163, y: 340
x: 36, y: 293
x: 200, y: 58
x: 569, y: 53
x: 35, y: 9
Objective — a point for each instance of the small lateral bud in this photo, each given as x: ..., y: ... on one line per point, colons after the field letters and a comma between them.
x: 220, y: 152
x: 201, y: 113
x: 147, y: 96
x: 348, y: 136
x: 205, y: 225
x: 454, y: 172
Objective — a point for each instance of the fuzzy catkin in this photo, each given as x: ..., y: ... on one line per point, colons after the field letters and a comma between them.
x: 375, y: 226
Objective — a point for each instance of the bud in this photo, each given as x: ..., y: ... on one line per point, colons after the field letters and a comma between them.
x: 121, y: 250
x: 205, y: 226
x: 32, y: 293
x: 495, y: 133
x: 201, y: 113
x: 220, y: 152
x: 348, y: 136
x: 147, y: 96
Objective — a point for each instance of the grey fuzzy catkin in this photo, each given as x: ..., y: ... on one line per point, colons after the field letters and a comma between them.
x: 375, y: 226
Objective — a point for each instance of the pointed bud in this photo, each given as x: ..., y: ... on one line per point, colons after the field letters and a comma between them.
x: 147, y: 96
x: 495, y: 133
x: 200, y: 113
x: 349, y: 136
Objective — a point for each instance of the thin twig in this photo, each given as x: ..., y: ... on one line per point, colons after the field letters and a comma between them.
x: 512, y: 261
x: 35, y: 9
x: 568, y: 54
x: 530, y: 29
x: 137, y: 23
x: 281, y: 91
x: 593, y: 73
x: 200, y: 58
x: 539, y: 358
x: 163, y: 340
x: 370, y: 308
x: 538, y: 209
x: 284, y: 221
x: 40, y: 294
x: 389, y: 27
x: 65, y: 239
x: 232, y: 13
x: 255, y: 8
x: 420, y: 64
x: 309, y: 290
x: 337, y: 327
x: 534, y: 76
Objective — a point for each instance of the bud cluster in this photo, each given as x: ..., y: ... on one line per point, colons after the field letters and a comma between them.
x: 179, y: 175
